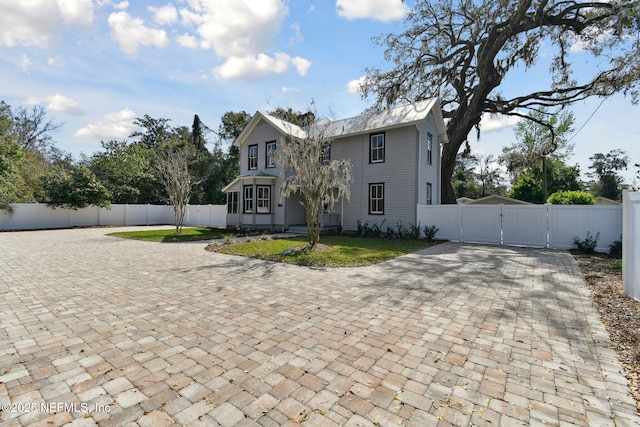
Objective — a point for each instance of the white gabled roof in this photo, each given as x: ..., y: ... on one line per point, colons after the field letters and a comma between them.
x: 285, y: 127
x: 386, y: 119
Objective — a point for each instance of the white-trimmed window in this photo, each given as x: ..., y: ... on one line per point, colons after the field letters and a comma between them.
x: 270, y: 160
x: 253, y: 157
x: 376, y: 152
x: 264, y: 199
x: 429, y: 148
x: 248, y: 199
x: 325, y: 155
x: 429, y: 194
x: 376, y: 198
x: 232, y: 202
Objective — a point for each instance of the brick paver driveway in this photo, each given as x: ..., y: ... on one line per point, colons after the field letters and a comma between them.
x: 96, y: 329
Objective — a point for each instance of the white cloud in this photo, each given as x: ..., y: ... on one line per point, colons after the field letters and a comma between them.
x: 165, y: 15
x: 252, y: 67
x: 379, y: 10
x: 287, y: 89
x: 302, y: 65
x: 188, y: 41
x: 58, y: 103
x: 297, y: 34
x: 62, y: 104
x: 37, y: 22
x: 589, y: 38
x: 353, y: 87
x: 120, y: 6
x: 113, y: 126
x: 240, y: 32
x: 131, y: 33
x: 25, y: 62
x: 489, y: 123
x: 237, y: 28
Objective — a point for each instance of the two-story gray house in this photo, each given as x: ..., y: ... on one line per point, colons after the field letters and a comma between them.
x: 395, y: 157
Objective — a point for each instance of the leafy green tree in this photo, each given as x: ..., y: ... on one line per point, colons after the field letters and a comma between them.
x: 526, y: 188
x: 126, y: 172
x: 490, y: 176
x: 24, y: 166
x: 465, y: 180
x: 73, y: 187
x: 605, y: 168
x: 571, y: 198
x: 153, y: 132
x: 33, y: 128
x: 540, y: 150
x: 462, y: 52
x: 11, y: 156
x: 219, y: 168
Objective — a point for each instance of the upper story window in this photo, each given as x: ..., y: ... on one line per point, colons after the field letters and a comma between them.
x: 376, y: 152
x: 270, y: 160
x: 253, y: 157
x: 325, y: 155
x: 429, y: 148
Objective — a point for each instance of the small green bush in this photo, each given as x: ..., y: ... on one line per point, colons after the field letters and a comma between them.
x: 615, y: 248
x: 430, y: 232
x: 571, y: 198
x: 588, y: 245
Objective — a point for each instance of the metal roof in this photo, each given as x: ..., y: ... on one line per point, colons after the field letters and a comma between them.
x: 386, y: 119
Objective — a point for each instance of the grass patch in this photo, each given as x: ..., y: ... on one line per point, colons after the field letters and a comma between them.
x: 169, y: 235
x: 617, y: 265
x: 342, y: 252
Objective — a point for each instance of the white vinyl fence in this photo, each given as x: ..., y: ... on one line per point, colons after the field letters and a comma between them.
x: 33, y: 216
x: 631, y: 244
x: 549, y: 226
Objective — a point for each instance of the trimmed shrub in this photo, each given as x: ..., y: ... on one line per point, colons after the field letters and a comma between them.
x: 571, y: 198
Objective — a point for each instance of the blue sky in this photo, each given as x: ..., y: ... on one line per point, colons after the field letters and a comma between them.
x: 97, y: 64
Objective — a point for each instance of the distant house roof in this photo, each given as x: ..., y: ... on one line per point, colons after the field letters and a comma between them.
x: 463, y: 200
x: 386, y: 119
x: 497, y: 200
x: 605, y: 201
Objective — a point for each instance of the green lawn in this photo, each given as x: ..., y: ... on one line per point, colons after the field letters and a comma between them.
x: 343, y: 252
x: 169, y: 235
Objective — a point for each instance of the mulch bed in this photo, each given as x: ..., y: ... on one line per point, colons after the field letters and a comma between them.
x: 619, y: 313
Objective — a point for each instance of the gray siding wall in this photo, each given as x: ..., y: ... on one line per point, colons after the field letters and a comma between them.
x: 262, y: 134
x: 397, y: 172
x: 428, y: 173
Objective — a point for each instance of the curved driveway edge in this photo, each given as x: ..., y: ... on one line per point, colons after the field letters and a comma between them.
x: 100, y: 330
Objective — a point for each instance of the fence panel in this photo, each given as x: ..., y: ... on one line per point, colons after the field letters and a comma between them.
x: 481, y: 223
x: 113, y: 216
x: 567, y: 222
x: 52, y: 218
x: 554, y: 226
x: 631, y: 244
x: 84, y: 217
x: 31, y: 216
x: 445, y: 217
x: 524, y: 225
